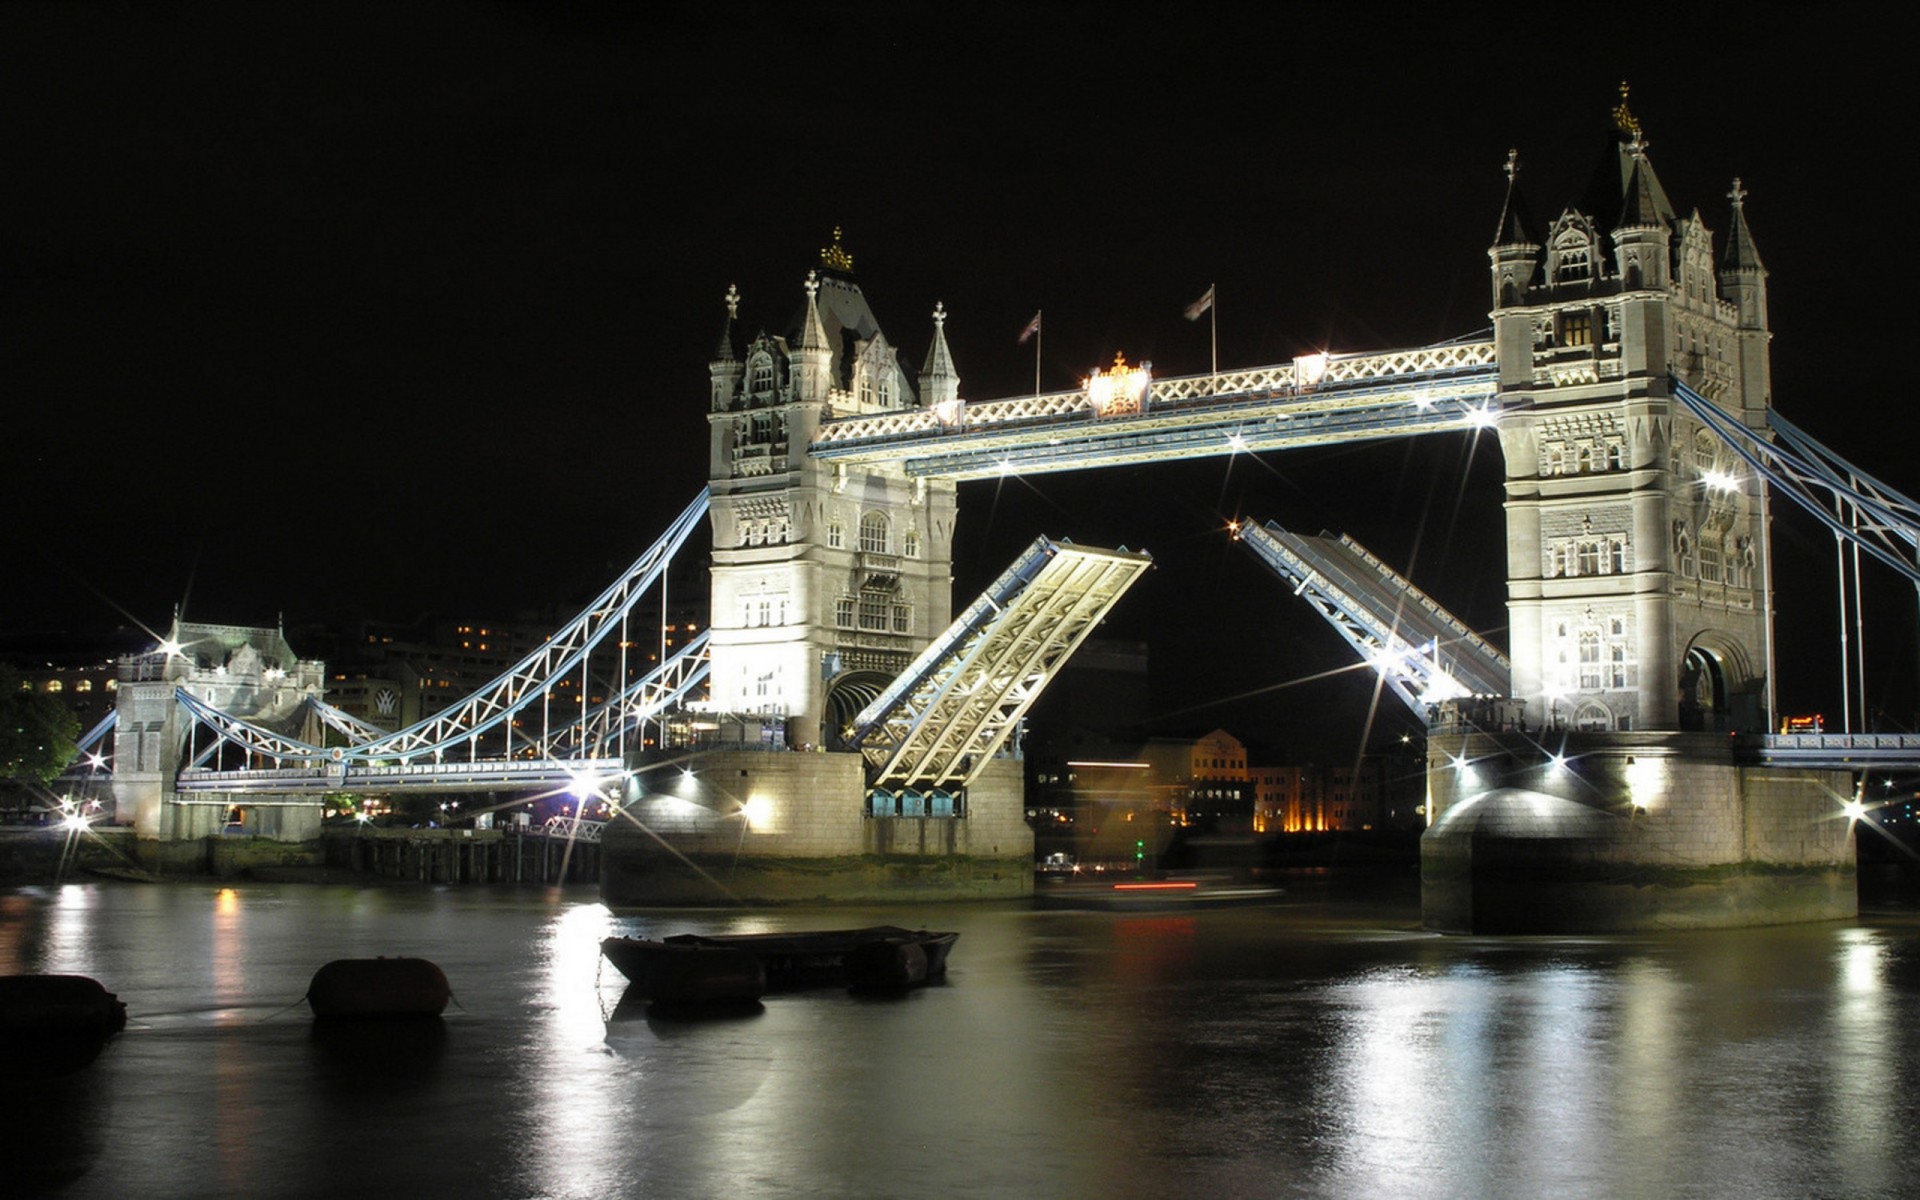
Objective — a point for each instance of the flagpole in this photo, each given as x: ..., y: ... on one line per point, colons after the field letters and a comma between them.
x: 1039, y: 336
x: 1213, y: 311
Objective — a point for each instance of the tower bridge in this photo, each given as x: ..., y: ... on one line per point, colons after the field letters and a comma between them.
x: 1627, y: 380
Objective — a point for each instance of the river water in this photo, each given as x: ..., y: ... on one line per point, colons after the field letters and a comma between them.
x: 1323, y: 1046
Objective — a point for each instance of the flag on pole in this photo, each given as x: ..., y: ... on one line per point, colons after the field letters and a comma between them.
x: 1200, y: 306
x: 1032, y: 328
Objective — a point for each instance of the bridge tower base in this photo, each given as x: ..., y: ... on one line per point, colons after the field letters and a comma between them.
x: 770, y: 828
x: 1614, y: 832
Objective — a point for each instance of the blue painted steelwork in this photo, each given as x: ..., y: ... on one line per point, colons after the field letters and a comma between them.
x: 1884, y: 523
x: 1422, y: 652
x: 1833, y: 751
x: 375, y: 757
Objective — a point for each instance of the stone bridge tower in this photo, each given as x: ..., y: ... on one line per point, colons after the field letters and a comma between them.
x: 1637, y: 550
x: 827, y: 580
x: 247, y: 672
x: 1638, y: 596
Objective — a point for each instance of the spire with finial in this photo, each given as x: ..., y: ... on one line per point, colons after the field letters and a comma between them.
x: 835, y: 257
x: 1623, y: 118
x: 811, y: 355
x: 729, y: 346
x: 813, y: 331
x: 1516, y: 226
x: 939, y: 382
x: 1741, y: 254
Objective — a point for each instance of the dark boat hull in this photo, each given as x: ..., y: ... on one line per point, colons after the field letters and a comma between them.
x: 697, y: 968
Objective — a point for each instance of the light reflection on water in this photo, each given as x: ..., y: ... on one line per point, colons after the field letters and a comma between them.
x: 1316, y: 1048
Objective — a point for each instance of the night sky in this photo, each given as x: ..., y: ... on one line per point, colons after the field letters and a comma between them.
x: 368, y: 310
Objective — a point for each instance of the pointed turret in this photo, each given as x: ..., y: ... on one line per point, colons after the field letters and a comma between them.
x: 1743, y: 280
x: 1516, y: 222
x: 1643, y: 235
x: 939, y: 382
x: 812, y: 354
x: 1516, y: 247
x: 725, y: 368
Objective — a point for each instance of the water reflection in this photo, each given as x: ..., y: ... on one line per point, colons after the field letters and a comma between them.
x: 1299, y: 1050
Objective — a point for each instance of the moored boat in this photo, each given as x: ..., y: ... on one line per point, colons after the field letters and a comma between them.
x: 1153, y: 895
x: 691, y: 968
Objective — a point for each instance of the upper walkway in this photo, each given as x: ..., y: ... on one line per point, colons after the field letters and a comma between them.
x: 1313, y: 400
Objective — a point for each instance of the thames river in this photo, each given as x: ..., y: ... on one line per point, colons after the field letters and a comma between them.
x: 1322, y: 1046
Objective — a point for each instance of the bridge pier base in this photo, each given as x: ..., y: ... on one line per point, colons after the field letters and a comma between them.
x: 790, y: 828
x: 1593, y: 833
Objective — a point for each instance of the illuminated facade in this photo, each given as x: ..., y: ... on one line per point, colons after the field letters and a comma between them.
x: 1636, y: 543
x: 827, y: 578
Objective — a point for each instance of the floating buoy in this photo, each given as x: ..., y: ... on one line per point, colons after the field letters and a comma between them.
x: 32, y: 1004
x: 379, y: 987
x: 52, y: 1025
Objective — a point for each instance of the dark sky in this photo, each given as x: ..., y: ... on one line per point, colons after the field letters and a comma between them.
x: 370, y: 310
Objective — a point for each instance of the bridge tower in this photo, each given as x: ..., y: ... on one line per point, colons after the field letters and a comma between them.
x: 1636, y: 545
x: 827, y: 579
x: 1605, y: 796
x: 247, y: 672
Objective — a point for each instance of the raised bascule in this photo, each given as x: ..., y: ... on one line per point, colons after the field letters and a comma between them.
x: 1614, y: 768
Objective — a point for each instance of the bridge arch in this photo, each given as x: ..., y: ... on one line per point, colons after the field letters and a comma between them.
x: 1717, y: 685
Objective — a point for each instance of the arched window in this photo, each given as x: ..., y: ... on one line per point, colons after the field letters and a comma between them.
x: 912, y: 546
x: 873, y: 533
x: 1589, y: 659
x: 760, y: 376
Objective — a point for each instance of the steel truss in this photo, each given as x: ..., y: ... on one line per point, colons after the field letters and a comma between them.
x: 1883, y: 522
x: 956, y: 705
x: 555, y: 755
x: 1349, y: 398
x: 1421, y: 651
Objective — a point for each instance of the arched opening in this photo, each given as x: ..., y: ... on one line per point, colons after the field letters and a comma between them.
x: 847, y: 695
x: 1703, y: 691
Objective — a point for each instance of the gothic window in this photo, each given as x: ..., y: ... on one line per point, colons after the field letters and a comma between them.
x: 1617, y: 556
x: 1552, y: 566
x: 1576, y: 327
x: 843, y: 612
x: 1571, y: 257
x: 760, y: 378
x: 1556, y: 453
x: 1583, y: 457
x: 912, y: 546
x: 836, y: 535
x: 1616, y: 455
x: 901, y: 618
x: 873, y: 612
x: 1589, y: 556
x: 873, y: 533
x: 1710, y: 565
x: 886, y: 390
x: 865, y: 385
x: 765, y: 613
x: 1703, y: 452
x: 1589, y: 659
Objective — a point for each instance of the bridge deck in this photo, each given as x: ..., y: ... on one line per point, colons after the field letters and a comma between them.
x: 1308, y: 402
